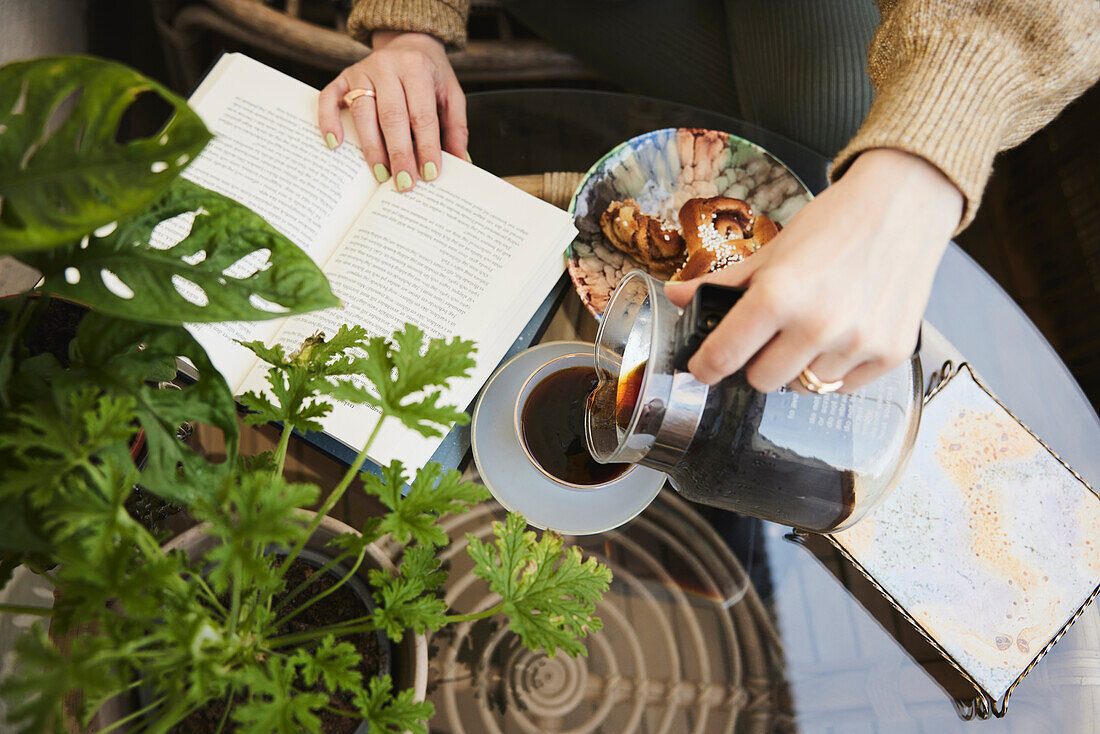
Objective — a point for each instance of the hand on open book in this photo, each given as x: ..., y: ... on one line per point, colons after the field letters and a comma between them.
x: 418, y: 103
x: 842, y: 288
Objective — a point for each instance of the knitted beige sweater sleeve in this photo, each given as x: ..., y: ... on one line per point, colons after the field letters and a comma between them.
x: 956, y: 81
x: 444, y: 19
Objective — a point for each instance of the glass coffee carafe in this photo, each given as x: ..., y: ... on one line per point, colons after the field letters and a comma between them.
x: 815, y: 462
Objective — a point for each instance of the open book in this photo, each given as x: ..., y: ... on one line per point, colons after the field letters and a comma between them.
x: 465, y: 255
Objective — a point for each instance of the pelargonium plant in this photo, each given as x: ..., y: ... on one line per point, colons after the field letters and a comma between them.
x: 177, y: 633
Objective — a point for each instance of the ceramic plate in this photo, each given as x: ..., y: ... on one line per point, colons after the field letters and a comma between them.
x: 518, y: 485
x: 661, y: 170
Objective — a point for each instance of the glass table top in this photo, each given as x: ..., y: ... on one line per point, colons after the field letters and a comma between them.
x: 811, y: 647
x: 719, y: 623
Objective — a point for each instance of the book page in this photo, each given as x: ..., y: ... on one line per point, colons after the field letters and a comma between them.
x: 467, y: 255
x: 268, y: 154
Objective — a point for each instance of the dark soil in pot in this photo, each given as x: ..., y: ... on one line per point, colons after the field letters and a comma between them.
x: 343, y: 604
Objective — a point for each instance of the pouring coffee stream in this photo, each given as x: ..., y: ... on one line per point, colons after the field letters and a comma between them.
x: 815, y: 462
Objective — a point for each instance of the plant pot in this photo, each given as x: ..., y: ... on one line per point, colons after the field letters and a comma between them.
x: 410, y: 658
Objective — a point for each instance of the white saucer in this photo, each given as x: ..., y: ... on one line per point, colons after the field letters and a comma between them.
x: 518, y: 485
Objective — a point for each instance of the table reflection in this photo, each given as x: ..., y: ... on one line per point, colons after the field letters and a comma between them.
x: 849, y: 663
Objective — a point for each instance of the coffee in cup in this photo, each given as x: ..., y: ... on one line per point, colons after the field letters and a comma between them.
x: 550, y: 423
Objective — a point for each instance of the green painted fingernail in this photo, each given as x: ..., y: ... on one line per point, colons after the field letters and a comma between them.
x: 330, y: 140
x: 403, y: 181
x: 430, y: 171
x: 471, y: 160
x: 381, y: 173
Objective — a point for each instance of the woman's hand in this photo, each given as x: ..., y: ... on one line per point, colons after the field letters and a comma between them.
x: 842, y: 288
x: 418, y: 104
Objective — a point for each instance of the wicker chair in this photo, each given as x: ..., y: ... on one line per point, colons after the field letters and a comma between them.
x: 311, y: 33
x: 1038, y: 234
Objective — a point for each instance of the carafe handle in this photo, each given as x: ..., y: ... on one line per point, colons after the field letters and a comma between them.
x: 708, y: 306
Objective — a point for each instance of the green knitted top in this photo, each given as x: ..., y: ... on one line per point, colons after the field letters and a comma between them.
x: 955, y: 81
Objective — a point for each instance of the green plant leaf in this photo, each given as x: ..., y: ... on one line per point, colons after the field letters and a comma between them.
x: 405, y: 599
x: 104, y: 556
x: 47, y: 440
x: 420, y: 367
x: 549, y: 593
x: 207, y: 263
x: 433, y: 493
x: 62, y: 178
x: 405, y: 369
x: 37, y: 695
x: 275, y: 707
x: 123, y: 358
x: 401, y: 370
x: 332, y: 662
x: 356, y: 543
x: 393, y: 714
x: 197, y: 659
x: 249, y: 513
x: 298, y: 382
x: 67, y: 420
x: 9, y: 560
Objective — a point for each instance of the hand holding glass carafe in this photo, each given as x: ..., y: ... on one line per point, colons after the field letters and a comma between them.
x: 814, y: 461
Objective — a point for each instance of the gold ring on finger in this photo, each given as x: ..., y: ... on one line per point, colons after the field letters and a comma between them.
x: 355, y: 94
x: 815, y: 384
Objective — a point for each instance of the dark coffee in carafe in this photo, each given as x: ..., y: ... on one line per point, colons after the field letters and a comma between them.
x: 732, y: 462
x: 813, y: 461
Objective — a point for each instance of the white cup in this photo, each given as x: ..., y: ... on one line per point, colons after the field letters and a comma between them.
x: 577, y: 359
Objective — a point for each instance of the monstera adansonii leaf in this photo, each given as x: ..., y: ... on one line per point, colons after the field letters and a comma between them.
x: 63, y: 172
x: 231, y: 266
